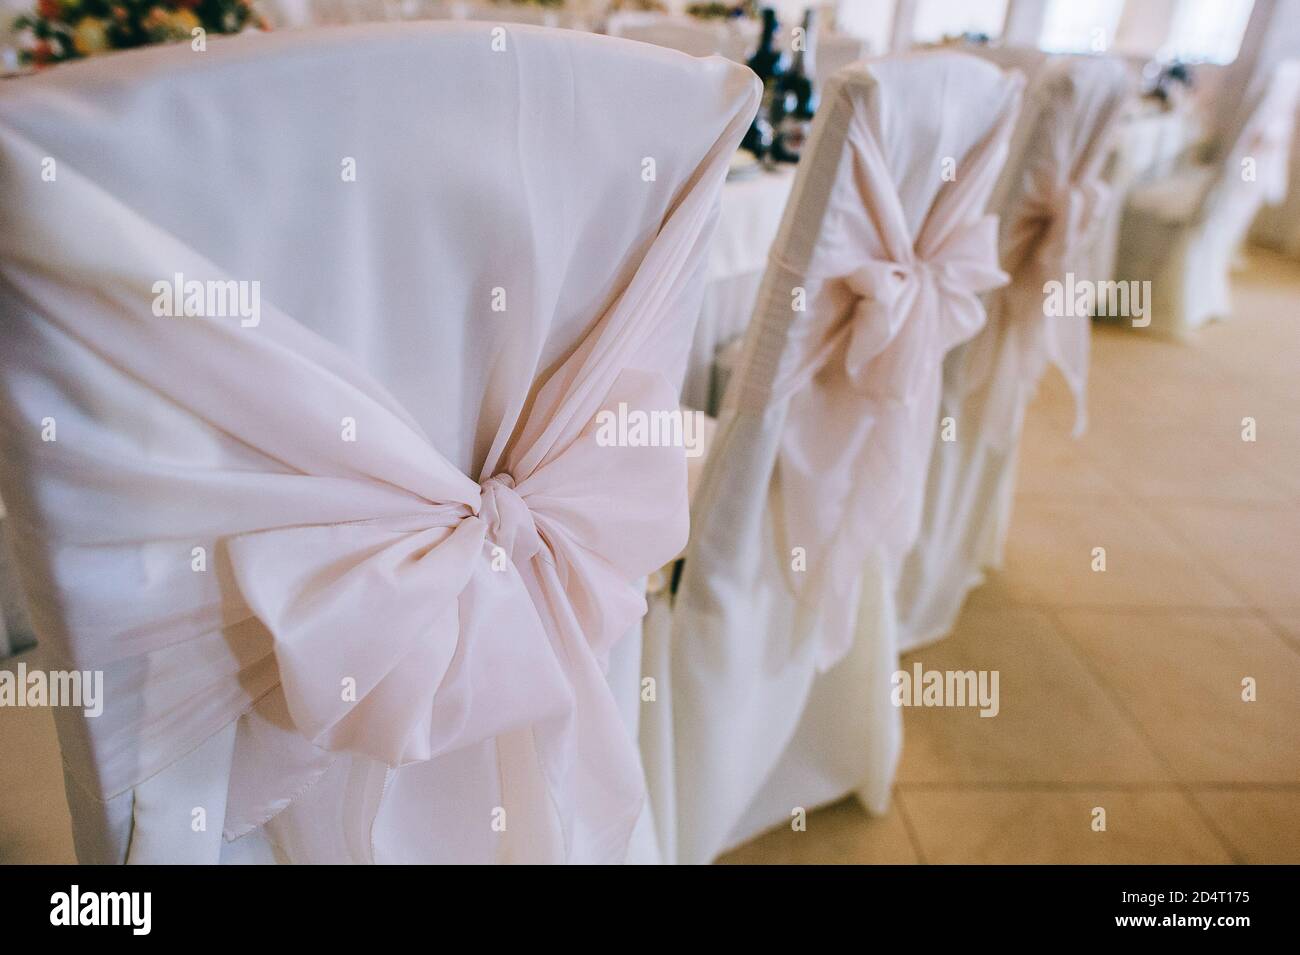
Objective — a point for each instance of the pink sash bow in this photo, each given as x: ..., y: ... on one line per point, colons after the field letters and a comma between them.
x: 405, y: 638
x: 911, y: 312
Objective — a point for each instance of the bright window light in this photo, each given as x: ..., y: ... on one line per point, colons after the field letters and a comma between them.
x: 936, y: 19
x: 1071, y: 26
x: 1207, y: 31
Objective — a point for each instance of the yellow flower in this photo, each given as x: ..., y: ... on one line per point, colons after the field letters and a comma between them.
x: 185, y: 21
x: 90, y: 36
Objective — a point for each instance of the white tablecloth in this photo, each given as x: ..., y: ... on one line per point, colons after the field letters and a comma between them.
x: 748, y: 220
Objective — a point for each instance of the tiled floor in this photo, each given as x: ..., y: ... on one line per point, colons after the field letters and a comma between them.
x: 1123, y: 690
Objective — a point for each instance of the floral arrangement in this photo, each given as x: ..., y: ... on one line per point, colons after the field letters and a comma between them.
x: 715, y: 10
x: 59, y: 30
x: 638, y: 6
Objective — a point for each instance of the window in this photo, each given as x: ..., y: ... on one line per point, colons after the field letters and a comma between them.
x: 936, y: 19
x: 1207, y: 30
x: 1070, y: 26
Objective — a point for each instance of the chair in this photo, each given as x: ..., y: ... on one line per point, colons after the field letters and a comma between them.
x: 1052, y: 200
x: 347, y: 545
x: 1181, y: 232
x: 810, y: 486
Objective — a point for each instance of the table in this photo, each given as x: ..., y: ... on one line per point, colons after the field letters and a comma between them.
x: 748, y: 219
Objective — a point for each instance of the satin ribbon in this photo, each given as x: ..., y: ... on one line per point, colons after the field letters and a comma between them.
x: 911, y: 312
x: 400, y: 639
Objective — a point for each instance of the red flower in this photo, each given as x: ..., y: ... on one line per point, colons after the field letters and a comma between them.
x: 41, y: 53
x: 49, y: 10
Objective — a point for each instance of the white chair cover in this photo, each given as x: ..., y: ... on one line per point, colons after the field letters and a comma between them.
x: 1051, y: 201
x: 823, y: 440
x: 464, y: 566
x: 1181, y: 232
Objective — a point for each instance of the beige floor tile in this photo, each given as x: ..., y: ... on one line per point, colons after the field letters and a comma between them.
x: 1287, y: 624
x: 838, y: 834
x: 1276, y: 449
x: 1055, y: 722
x: 1193, y: 457
x: 1053, y: 463
x: 996, y: 593
x: 1265, y: 299
x: 1051, y: 827
x: 1181, y: 679
x: 1263, y: 826
x: 1049, y: 558
x: 1256, y: 550
x: 34, y: 822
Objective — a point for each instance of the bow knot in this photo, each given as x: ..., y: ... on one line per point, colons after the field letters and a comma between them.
x: 509, y: 522
x: 912, y: 310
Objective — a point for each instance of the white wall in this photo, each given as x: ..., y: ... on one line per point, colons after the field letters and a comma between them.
x: 871, y: 20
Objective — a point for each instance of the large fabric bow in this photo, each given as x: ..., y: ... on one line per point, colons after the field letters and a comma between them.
x: 405, y: 638
x: 911, y: 312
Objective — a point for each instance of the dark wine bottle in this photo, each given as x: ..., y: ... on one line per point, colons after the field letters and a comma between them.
x: 768, y: 63
x: 794, y: 99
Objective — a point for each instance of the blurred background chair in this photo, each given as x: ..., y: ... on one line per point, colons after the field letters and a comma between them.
x: 1182, y: 232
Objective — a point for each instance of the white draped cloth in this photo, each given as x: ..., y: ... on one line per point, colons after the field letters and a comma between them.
x: 1052, y: 201
x: 354, y: 562
x: 814, y: 477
